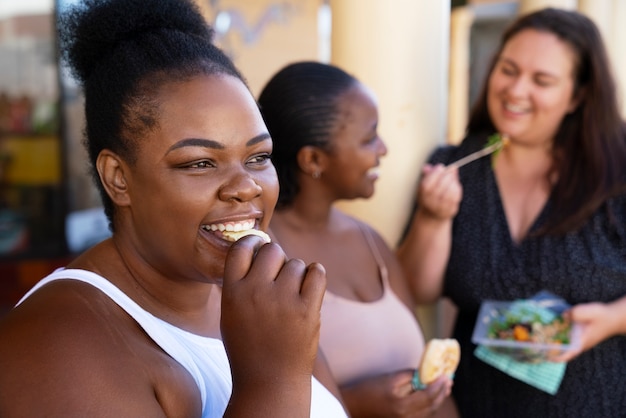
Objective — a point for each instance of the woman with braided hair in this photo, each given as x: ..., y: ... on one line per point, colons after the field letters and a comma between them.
x: 324, y: 125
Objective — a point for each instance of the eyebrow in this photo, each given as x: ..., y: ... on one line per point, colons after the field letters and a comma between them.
x: 209, y: 143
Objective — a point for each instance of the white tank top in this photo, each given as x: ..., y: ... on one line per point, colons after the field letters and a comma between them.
x: 205, y: 358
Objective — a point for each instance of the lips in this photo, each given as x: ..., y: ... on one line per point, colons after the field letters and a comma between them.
x: 373, y: 172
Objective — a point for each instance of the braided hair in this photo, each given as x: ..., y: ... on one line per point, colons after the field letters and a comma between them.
x: 299, y: 105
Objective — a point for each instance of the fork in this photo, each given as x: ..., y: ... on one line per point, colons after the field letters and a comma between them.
x: 479, y: 154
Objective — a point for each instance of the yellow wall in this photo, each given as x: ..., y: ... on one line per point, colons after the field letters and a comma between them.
x: 400, y: 50
x: 266, y: 34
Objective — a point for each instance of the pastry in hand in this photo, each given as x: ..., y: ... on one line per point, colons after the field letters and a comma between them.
x: 441, y: 356
x: 237, y: 235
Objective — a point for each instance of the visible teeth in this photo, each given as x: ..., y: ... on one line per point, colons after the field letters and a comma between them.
x: 514, y: 108
x: 230, y: 226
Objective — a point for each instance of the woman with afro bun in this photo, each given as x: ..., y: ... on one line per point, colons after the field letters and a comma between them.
x: 168, y: 317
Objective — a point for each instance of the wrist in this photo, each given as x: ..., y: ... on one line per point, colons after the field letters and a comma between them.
x: 432, y: 219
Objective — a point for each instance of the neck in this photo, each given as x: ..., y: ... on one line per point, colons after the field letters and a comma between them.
x: 306, y: 214
x: 526, y: 161
x: 302, y: 219
x: 182, y: 303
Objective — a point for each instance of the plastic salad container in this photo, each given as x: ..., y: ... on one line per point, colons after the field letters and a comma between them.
x: 529, y: 330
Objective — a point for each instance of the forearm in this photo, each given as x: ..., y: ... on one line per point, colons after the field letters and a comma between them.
x: 424, y: 255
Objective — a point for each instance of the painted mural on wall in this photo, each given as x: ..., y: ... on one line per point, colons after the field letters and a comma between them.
x: 232, y: 21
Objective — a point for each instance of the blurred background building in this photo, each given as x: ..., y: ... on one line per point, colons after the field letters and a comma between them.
x: 424, y: 60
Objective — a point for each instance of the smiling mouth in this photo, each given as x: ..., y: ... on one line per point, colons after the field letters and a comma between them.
x: 515, y: 108
x: 231, y: 231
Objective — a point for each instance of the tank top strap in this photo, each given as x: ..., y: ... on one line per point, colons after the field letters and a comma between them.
x: 382, y: 267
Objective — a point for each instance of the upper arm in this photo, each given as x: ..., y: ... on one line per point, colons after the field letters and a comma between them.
x: 60, y: 355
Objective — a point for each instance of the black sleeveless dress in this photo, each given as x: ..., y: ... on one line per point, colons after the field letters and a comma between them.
x: 584, y: 266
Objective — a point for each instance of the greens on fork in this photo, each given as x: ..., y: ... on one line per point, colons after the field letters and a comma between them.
x: 494, y: 145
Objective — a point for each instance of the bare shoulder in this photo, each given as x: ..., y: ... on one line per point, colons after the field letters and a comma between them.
x: 70, y: 350
x: 397, y: 278
x: 380, y: 242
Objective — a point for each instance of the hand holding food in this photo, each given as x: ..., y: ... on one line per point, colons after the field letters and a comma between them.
x: 440, y: 193
x: 441, y: 357
x: 270, y: 303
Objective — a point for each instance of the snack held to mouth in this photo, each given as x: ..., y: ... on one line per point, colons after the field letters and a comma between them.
x: 441, y: 356
x: 237, y: 235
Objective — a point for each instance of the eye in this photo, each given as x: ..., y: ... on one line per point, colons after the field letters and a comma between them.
x: 507, y: 70
x: 200, y: 164
x: 371, y: 139
x: 260, y: 159
x: 543, y: 81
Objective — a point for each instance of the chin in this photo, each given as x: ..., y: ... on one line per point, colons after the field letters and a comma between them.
x: 367, y: 194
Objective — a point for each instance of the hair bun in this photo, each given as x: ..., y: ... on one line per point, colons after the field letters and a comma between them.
x: 93, y: 29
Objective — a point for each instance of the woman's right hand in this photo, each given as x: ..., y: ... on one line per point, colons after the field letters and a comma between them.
x: 440, y: 192
x: 391, y: 396
x: 270, y: 325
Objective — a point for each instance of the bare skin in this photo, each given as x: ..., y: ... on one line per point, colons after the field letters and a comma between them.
x: 69, y: 350
x: 320, y: 370
x: 312, y: 228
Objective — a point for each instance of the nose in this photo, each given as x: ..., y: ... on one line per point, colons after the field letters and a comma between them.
x: 518, y: 87
x: 241, y: 187
x: 382, y: 148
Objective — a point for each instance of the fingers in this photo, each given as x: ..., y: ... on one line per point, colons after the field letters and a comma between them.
x: 314, y: 286
x: 440, y: 180
x: 252, y: 257
x: 440, y: 191
x: 273, y: 304
x: 240, y: 256
x: 593, y: 323
x: 565, y: 357
x: 438, y: 391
